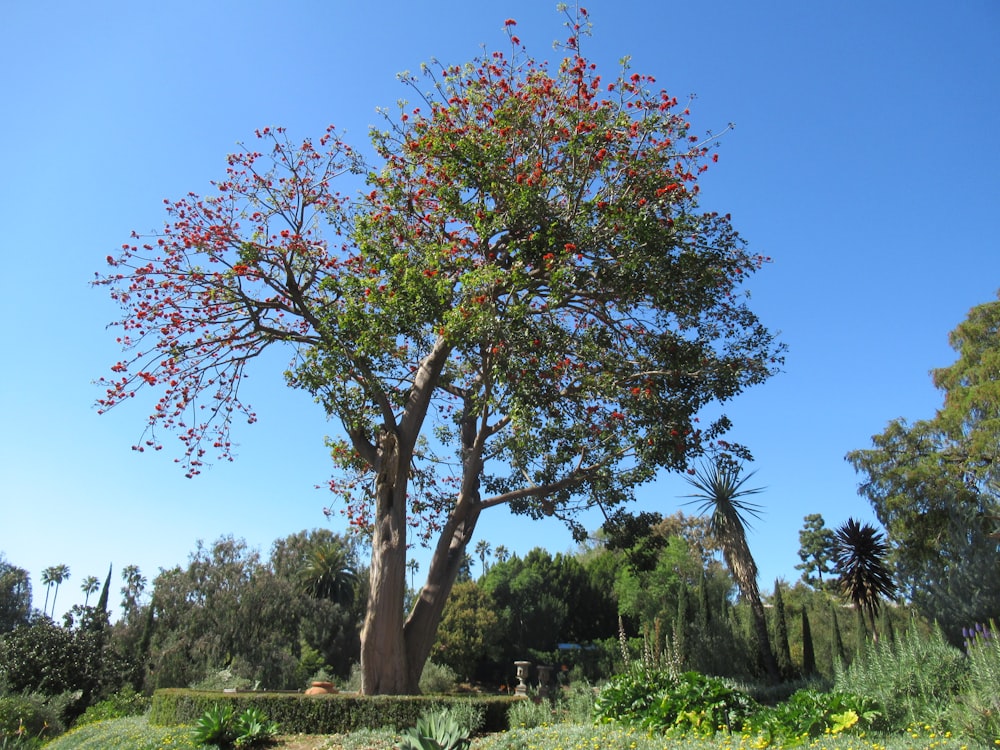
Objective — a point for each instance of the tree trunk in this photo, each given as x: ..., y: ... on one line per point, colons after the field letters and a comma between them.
x: 764, y: 639
x: 393, y: 653
x: 383, y: 654
x: 421, y: 626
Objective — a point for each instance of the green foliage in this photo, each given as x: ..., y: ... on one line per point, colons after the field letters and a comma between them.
x: 437, y: 678
x: 50, y: 660
x: 688, y: 703
x: 435, y: 731
x: 469, y: 631
x: 976, y: 712
x: 226, y: 608
x: 126, y: 702
x: 222, y: 679
x: 808, y: 650
x: 252, y: 728
x: 215, y: 726
x: 542, y: 600
x: 29, y: 717
x: 229, y: 610
x: 127, y: 733
x: 815, y: 551
x: 221, y: 726
x: 782, y: 650
x: 807, y: 714
x: 15, y: 596
x: 914, y: 680
x: 934, y: 485
x: 528, y: 713
x: 326, y: 714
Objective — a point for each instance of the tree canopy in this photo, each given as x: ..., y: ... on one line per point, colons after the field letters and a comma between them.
x: 525, y: 306
x: 934, y: 484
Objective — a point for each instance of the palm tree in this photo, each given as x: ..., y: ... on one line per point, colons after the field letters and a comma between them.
x: 859, y: 552
x: 327, y: 573
x: 48, y: 578
x: 135, y: 584
x: 89, y: 586
x: 483, y: 549
x: 413, y: 566
x: 60, y: 573
x: 721, y: 492
x: 501, y: 553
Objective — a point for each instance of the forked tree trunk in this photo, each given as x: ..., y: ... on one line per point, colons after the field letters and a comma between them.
x: 393, y: 653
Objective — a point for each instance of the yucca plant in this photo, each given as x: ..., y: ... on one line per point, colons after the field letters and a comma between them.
x: 859, y: 552
x: 437, y: 731
x: 723, y: 496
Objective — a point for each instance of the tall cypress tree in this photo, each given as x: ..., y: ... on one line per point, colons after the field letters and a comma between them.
x: 838, y: 656
x: 808, y: 654
x: 101, y: 617
x: 681, y: 626
x: 782, y: 651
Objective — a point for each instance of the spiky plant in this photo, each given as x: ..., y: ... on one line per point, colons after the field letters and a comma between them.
x: 722, y: 493
x: 859, y: 552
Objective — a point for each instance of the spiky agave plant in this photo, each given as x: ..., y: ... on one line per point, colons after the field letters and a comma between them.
x: 859, y: 552
x: 722, y: 493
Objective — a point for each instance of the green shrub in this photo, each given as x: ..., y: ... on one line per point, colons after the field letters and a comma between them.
x: 25, y: 716
x: 575, y: 703
x: 914, y: 679
x: 222, y: 679
x: 126, y: 702
x: 976, y: 713
x: 688, y: 703
x: 527, y: 714
x: 435, y: 731
x: 437, y: 678
x: 809, y: 713
x: 321, y: 714
x: 631, y: 694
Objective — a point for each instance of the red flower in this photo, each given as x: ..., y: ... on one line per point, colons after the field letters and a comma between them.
x: 510, y: 22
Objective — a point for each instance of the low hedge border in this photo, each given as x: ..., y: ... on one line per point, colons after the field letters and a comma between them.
x: 336, y: 713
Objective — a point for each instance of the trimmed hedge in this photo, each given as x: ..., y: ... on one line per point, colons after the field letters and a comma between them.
x: 322, y: 714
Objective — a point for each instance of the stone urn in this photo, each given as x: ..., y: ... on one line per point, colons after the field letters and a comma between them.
x: 321, y: 688
x: 522, y: 677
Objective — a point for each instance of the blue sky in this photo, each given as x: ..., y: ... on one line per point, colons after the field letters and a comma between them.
x: 864, y: 161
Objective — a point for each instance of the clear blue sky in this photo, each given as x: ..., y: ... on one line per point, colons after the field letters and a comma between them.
x: 865, y: 161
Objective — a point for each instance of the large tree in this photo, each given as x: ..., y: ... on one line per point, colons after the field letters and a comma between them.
x: 15, y: 595
x: 934, y: 485
x: 527, y: 274
x: 815, y: 550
